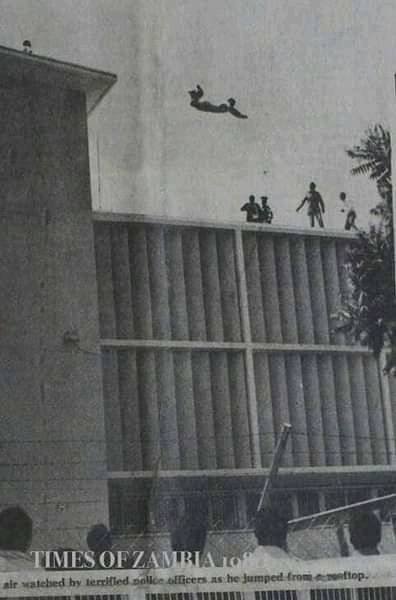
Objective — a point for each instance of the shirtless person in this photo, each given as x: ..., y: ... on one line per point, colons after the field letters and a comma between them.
x: 206, y: 106
x: 315, y: 204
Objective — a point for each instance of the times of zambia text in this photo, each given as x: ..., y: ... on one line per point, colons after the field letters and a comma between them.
x: 136, y: 559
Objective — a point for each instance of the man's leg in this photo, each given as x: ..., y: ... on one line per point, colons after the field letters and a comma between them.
x: 352, y: 219
x: 320, y: 220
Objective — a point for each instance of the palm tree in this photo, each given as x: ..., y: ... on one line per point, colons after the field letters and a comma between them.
x: 374, y: 155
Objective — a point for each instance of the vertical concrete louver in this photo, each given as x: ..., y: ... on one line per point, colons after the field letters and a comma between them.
x: 210, y: 344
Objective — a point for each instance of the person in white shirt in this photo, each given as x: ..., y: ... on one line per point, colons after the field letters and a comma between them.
x: 270, y: 529
x: 350, y: 213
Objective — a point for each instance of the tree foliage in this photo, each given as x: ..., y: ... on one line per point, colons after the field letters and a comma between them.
x: 368, y: 314
x: 374, y: 157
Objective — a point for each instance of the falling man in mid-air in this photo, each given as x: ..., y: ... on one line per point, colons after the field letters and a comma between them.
x: 206, y: 106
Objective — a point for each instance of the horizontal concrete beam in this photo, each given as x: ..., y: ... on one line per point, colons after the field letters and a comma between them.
x: 299, y: 477
x: 120, y: 344
x: 124, y: 344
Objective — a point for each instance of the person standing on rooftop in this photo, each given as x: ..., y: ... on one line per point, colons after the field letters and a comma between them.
x: 315, y: 206
x: 252, y: 210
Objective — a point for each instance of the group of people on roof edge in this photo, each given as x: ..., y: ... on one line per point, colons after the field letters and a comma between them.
x: 256, y: 213
x: 315, y: 209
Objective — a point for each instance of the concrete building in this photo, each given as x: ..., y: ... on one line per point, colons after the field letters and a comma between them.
x: 52, y: 431
x: 146, y: 363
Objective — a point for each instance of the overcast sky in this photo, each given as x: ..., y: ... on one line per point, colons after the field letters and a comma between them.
x: 311, y: 75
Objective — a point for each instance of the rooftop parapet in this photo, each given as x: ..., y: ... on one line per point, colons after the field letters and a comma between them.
x: 20, y: 67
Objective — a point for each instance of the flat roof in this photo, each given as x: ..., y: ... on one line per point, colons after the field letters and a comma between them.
x: 17, y: 65
x: 114, y: 217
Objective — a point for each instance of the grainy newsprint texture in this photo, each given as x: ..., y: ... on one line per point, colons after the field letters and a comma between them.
x: 195, y: 196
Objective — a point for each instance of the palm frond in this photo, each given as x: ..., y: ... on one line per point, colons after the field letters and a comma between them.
x: 363, y: 169
x: 373, y: 155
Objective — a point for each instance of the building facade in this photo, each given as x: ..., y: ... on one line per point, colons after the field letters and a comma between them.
x: 148, y: 364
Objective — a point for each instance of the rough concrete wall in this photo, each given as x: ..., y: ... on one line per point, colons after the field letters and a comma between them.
x: 51, y: 431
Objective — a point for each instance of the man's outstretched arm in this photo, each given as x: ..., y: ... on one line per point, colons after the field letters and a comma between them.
x: 301, y: 205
